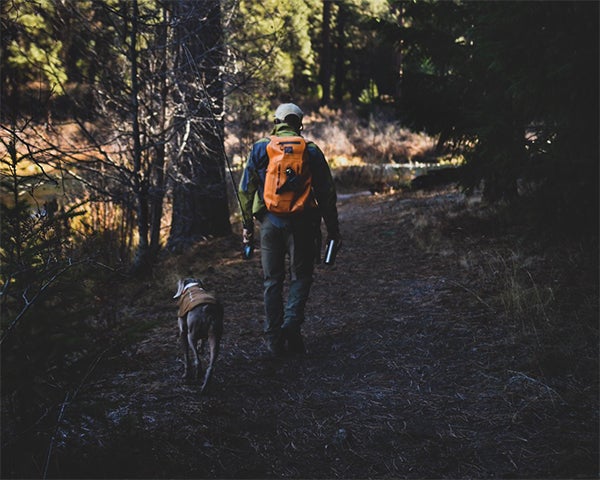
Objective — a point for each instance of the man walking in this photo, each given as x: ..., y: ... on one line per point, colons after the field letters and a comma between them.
x: 288, y: 187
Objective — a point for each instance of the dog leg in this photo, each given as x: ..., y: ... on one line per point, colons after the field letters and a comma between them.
x: 214, y: 345
x: 195, y: 357
x: 183, y: 343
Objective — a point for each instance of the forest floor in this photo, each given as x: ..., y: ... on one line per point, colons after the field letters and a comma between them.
x: 438, y: 347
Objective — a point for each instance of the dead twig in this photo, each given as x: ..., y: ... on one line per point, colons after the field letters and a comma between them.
x: 475, y: 294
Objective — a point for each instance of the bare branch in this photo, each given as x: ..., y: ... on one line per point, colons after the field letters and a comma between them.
x: 29, y: 303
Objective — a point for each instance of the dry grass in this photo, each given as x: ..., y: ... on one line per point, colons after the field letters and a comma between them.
x: 346, y: 139
x: 374, y: 141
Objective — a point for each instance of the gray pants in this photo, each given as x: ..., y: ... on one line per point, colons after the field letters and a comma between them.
x: 296, y: 240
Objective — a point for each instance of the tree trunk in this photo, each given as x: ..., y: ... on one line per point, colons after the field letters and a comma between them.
x: 140, y: 184
x: 340, y: 69
x: 158, y: 167
x: 399, y: 57
x: 325, y: 66
x: 200, y: 206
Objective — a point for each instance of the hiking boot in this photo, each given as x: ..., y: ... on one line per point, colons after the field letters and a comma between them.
x: 295, y: 343
x: 275, y: 348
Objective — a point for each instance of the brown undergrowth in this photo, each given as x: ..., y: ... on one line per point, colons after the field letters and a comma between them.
x: 438, y: 347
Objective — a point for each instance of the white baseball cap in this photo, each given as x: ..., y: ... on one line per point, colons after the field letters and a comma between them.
x: 286, y: 109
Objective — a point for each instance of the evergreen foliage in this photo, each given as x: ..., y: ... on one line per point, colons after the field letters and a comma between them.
x: 516, y: 84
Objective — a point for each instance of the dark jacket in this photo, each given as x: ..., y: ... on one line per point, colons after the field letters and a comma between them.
x: 253, y: 180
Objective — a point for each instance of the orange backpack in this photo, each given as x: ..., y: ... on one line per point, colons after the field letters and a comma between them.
x: 288, y: 178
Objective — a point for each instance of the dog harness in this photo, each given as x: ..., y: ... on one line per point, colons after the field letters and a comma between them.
x: 192, y: 297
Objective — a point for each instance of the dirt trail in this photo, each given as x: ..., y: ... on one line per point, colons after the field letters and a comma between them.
x: 409, y: 373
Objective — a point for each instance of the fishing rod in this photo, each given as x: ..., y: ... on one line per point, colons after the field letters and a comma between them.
x: 249, y: 247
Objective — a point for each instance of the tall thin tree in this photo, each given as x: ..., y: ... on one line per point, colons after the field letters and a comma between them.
x: 200, y: 206
x: 325, y: 63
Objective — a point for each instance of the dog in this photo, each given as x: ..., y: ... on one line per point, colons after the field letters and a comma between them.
x: 200, y: 318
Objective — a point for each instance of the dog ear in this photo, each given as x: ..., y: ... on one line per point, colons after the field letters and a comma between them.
x: 180, y: 286
x: 196, y: 281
